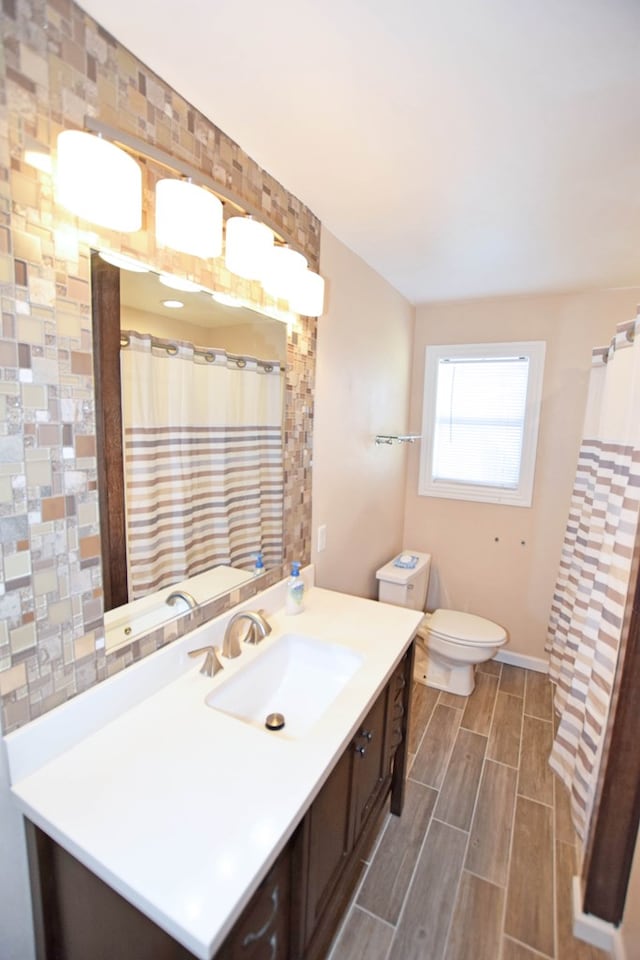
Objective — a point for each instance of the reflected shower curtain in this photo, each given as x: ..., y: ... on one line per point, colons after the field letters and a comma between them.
x: 593, y: 584
x: 203, y: 460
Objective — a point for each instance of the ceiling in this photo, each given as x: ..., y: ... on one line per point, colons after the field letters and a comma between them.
x: 463, y: 148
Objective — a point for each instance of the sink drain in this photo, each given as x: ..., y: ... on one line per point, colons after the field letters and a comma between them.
x: 275, y: 721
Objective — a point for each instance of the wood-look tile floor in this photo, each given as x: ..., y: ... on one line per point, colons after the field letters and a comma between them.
x: 479, y: 865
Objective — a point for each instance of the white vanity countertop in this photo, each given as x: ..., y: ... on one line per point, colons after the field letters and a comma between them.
x: 179, y: 807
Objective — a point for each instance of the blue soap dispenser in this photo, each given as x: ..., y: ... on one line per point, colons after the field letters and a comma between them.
x: 295, y: 591
x: 259, y: 567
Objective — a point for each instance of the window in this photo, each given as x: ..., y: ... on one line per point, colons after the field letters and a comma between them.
x: 480, y: 421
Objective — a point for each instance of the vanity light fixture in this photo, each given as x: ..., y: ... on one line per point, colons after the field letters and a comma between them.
x: 282, y: 271
x: 39, y: 158
x: 247, y: 247
x: 226, y: 299
x: 308, y: 297
x: 179, y: 283
x: 172, y: 304
x: 122, y: 262
x: 98, y: 181
x: 188, y: 218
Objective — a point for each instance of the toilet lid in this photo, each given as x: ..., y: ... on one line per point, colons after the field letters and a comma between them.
x: 465, y: 627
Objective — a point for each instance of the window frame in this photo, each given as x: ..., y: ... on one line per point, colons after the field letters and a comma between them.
x: 521, y: 496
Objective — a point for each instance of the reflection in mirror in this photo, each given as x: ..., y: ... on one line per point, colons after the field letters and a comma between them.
x: 190, y: 443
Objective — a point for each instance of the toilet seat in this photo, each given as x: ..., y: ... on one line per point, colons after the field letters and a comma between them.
x: 463, y: 628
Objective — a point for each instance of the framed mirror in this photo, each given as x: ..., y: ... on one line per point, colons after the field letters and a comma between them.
x: 138, y: 341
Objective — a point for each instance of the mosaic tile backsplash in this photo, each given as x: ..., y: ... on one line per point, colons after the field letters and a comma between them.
x: 57, y: 66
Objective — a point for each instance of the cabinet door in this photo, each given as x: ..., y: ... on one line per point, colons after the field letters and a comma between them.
x: 262, y: 931
x: 327, y: 841
x: 370, y: 763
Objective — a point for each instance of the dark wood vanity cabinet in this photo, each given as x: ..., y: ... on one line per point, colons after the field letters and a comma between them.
x: 264, y: 929
x: 297, y: 908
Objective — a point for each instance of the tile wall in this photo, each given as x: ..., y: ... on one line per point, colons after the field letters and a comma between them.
x: 57, y: 66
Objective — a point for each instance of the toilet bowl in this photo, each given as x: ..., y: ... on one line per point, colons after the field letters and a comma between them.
x: 449, y: 643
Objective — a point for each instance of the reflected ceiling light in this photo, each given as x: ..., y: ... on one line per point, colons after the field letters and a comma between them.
x: 283, y: 270
x: 98, y: 181
x: 188, y: 218
x: 173, y: 304
x: 179, y: 283
x: 248, y: 244
x: 122, y: 262
x: 226, y: 299
x: 308, y: 297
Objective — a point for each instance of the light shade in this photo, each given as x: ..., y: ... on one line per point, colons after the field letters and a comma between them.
x: 308, y: 296
x: 283, y: 270
x: 248, y: 246
x: 188, y: 218
x: 123, y: 262
x: 179, y: 283
x: 98, y: 181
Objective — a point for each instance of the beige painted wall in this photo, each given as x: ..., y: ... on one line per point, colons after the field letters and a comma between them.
x: 479, y: 562
x: 362, y: 389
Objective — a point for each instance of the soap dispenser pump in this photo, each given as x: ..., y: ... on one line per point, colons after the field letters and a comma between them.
x: 295, y: 591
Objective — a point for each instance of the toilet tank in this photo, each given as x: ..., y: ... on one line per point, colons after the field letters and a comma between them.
x: 405, y: 586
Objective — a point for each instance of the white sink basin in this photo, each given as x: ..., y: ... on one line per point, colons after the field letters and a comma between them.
x: 298, y: 676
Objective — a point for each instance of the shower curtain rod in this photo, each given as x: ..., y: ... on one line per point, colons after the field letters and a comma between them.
x: 208, y: 355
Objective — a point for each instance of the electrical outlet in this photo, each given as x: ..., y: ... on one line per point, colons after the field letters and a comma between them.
x: 322, y: 537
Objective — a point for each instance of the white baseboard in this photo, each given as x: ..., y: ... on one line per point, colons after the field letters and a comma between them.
x: 593, y: 930
x: 522, y: 660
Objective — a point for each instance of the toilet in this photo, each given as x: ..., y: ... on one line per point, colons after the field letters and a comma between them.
x: 449, y: 643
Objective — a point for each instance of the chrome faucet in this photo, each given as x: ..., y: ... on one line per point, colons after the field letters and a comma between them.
x: 258, y: 630
x: 181, y: 595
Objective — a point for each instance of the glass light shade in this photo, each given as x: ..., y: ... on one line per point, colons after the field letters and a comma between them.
x: 188, y: 218
x: 123, y: 262
x: 308, y: 296
x: 225, y: 299
x: 98, y: 181
x: 179, y: 283
x: 283, y: 270
x: 248, y: 246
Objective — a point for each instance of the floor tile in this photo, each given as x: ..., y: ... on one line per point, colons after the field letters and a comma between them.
x: 537, y: 698
x: 363, y: 937
x: 385, y: 885
x: 424, y: 923
x: 504, y: 739
x: 458, y: 793
x: 479, y: 709
x: 536, y: 777
x: 490, y: 666
x: 478, y: 910
x: 512, y: 950
x: 430, y: 764
x: 529, y: 915
x: 423, y: 701
x: 512, y: 680
x: 490, y: 836
x: 452, y: 700
x: 421, y: 882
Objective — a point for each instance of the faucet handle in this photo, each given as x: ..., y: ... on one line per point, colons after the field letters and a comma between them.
x: 259, y: 629
x: 211, y: 664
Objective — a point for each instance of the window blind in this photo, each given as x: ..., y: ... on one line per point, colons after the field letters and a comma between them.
x: 479, y: 421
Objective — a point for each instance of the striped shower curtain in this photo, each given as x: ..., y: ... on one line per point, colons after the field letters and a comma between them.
x: 203, y: 460
x: 594, y: 582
